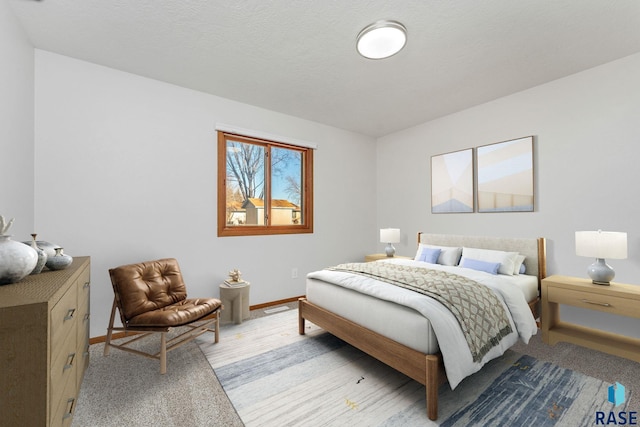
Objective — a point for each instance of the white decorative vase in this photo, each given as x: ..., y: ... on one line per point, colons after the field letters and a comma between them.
x: 48, y: 248
x: 16, y: 260
x: 59, y: 261
x: 42, y: 256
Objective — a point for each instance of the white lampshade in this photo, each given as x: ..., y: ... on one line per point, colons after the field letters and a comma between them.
x: 390, y: 235
x: 381, y: 39
x: 601, y: 244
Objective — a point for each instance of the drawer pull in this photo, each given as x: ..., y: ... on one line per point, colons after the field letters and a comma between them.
x: 86, y: 285
x: 70, y: 359
x: 69, y: 413
x: 70, y: 314
x: 604, y: 304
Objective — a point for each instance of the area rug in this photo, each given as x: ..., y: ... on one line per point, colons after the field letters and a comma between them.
x: 123, y: 389
x: 276, y: 377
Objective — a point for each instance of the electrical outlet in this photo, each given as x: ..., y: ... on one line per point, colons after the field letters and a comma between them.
x: 294, y: 273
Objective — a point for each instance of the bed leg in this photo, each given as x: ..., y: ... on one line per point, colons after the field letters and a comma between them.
x: 432, y: 383
x: 300, y: 318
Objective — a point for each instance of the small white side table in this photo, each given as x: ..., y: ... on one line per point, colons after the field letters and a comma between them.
x: 235, y: 300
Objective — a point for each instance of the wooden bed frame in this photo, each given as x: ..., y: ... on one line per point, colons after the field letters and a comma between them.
x: 427, y: 369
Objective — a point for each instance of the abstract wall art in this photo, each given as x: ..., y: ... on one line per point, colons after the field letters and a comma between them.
x: 505, y: 176
x: 452, y: 182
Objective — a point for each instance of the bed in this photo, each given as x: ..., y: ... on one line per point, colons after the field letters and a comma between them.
x: 399, y: 326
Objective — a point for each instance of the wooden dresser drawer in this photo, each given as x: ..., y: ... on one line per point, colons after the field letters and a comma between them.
x: 83, y: 347
x: 593, y: 301
x: 83, y: 319
x: 63, y: 316
x: 63, y: 408
x: 84, y: 285
x: 63, y: 366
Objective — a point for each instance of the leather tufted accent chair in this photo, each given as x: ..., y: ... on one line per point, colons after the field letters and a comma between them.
x: 151, y: 297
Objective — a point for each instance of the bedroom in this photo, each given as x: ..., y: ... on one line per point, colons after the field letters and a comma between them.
x: 76, y: 131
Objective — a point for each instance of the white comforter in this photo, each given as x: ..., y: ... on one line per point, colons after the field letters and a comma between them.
x: 457, y: 357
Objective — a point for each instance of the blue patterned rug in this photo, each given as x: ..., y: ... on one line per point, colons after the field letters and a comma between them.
x: 275, y: 377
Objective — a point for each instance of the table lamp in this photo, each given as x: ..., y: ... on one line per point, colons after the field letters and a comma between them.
x: 389, y: 236
x: 600, y: 245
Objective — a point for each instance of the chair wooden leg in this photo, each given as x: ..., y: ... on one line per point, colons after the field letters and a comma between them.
x: 110, y: 329
x: 217, y: 332
x: 163, y: 352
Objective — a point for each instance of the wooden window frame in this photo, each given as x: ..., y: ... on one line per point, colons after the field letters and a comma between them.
x: 225, y: 230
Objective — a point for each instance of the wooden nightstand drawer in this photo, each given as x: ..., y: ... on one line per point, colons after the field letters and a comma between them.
x: 593, y: 301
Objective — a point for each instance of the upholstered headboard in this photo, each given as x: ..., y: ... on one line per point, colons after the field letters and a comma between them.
x: 534, y: 249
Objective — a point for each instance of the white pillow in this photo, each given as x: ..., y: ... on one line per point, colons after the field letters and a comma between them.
x: 518, y: 264
x: 507, y: 260
x: 448, y: 255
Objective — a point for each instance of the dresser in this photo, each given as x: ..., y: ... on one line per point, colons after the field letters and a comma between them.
x: 44, y: 346
x: 618, y: 298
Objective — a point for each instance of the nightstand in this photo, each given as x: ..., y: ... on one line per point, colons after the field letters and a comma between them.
x: 376, y: 257
x: 620, y: 299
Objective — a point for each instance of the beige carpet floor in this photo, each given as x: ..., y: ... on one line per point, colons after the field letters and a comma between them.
x: 126, y: 390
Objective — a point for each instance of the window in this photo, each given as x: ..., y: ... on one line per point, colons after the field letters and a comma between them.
x: 264, y: 187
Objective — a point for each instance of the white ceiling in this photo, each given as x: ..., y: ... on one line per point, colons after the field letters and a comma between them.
x: 298, y: 57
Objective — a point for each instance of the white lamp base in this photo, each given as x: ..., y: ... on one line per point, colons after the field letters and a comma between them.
x: 390, y: 250
x: 600, y: 272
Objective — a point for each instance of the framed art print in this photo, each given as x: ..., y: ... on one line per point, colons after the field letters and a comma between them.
x: 505, y: 176
x: 452, y: 182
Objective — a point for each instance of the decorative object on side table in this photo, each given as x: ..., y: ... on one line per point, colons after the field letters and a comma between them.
x: 234, y: 278
x: 59, y: 261
x: 389, y: 236
x: 42, y: 256
x: 600, y: 245
x: 16, y: 259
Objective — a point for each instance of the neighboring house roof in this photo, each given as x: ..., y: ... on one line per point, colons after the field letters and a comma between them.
x: 279, y: 203
x: 258, y: 203
x: 275, y: 203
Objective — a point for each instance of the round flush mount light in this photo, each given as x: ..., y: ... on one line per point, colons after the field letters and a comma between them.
x: 381, y: 39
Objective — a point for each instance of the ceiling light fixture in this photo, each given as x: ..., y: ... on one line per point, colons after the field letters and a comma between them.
x: 381, y: 39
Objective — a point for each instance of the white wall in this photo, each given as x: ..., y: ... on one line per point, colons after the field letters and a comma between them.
x: 587, y: 131
x: 16, y: 125
x: 126, y: 172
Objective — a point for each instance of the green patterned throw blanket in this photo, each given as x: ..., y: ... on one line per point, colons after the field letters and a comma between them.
x: 479, y: 312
